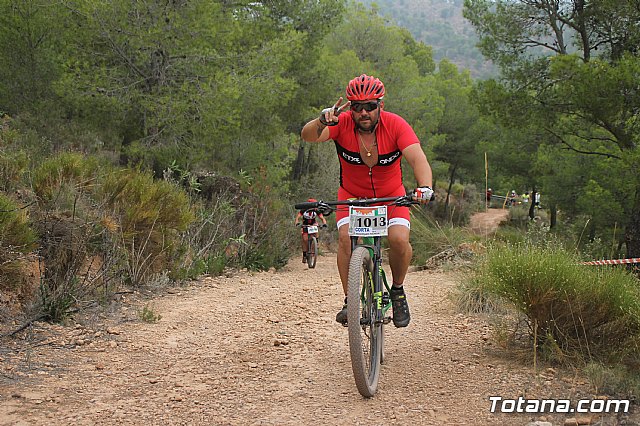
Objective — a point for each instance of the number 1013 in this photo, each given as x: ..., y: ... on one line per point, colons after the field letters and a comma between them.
x: 368, y: 222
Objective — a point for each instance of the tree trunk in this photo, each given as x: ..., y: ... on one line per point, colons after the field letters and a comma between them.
x: 579, y: 6
x: 553, y: 216
x: 451, y: 177
x: 307, y: 164
x: 532, y: 204
x: 632, y: 234
x: 298, y: 166
x: 592, y: 232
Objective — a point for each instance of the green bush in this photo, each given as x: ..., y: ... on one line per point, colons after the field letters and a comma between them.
x: 68, y: 221
x: 193, y: 268
x: 575, y: 312
x: 234, y: 227
x: 148, y: 314
x: 535, y: 232
x: 458, y: 189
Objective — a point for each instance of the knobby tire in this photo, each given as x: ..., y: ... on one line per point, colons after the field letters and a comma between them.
x: 365, y: 337
x: 312, y: 252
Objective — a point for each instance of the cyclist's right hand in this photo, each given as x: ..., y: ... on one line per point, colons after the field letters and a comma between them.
x: 329, y: 116
x: 422, y: 194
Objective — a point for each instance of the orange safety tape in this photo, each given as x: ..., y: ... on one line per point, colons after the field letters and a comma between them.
x: 612, y: 262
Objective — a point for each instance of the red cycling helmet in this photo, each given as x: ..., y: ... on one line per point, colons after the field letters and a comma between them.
x: 365, y: 87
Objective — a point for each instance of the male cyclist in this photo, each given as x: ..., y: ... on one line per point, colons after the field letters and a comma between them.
x: 309, y: 218
x: 370, y: 143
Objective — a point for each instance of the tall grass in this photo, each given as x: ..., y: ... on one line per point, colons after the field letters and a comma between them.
x: 429, y: 237
x: 573, y: 312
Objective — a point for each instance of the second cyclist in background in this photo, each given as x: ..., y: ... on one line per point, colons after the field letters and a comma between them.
x: 308, y: 218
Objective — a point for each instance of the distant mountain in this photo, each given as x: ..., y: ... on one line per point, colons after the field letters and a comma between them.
x: 440, y: 24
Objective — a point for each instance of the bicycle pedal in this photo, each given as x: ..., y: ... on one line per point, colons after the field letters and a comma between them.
x: 385, y: 299
x: 386, y: 320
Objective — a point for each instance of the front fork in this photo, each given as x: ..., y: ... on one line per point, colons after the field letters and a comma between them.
x: 379, y: 285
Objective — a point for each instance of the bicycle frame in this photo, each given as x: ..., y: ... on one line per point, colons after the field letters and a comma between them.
x: 312, y: 245
x: 367, y: 282
x: 378, y: 281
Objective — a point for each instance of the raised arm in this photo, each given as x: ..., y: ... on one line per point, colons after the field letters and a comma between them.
x: 316, y: 129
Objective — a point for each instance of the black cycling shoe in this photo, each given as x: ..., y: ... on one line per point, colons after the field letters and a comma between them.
x: 304, y: 257
x: 341, y: 317
x: 401, y: 316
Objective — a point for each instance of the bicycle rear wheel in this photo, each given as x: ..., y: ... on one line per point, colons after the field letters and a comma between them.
x: 312, y: 252
x: 365, y: 332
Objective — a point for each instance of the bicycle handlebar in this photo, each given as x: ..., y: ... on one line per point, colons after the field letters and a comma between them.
x: 326, y: 207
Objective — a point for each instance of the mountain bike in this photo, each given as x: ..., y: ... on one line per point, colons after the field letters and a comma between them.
x: 312, y: 244
x: 367, y: 283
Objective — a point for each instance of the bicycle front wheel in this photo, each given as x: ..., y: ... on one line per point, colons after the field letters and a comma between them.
x: 312, y: 252
x: 365, y: 331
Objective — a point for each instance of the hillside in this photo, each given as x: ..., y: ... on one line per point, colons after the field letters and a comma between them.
x: 440, y: 24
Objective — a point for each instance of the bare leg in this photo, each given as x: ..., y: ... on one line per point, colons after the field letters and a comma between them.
x: 344, y: 255
x: 400, y: 252
x: 304, y: 242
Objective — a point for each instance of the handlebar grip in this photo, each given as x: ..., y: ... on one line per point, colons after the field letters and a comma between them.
x: 306, y: 206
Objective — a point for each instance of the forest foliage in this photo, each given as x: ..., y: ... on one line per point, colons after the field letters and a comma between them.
x: 164, y: 136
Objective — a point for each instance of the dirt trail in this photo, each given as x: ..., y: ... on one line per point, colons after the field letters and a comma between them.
x: 487, y: 222
x: 263, y: 349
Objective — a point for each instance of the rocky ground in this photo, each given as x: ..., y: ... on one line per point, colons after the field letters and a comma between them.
x: 264, y: 349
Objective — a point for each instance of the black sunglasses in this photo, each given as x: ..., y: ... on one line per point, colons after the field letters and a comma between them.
x: 367, y: 106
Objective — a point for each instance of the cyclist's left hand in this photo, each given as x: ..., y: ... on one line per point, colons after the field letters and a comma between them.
x: 324, y: 225
x: 423, y: 194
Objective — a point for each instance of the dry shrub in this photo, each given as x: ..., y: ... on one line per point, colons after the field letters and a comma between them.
x: 80, y: 262
x: 150, y: 214
x: 17, y: 240
x: 12, y: 166
x: 237, y: 227
x: 65, y: 169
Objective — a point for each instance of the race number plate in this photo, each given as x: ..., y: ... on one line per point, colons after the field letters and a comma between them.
x: 368, y: 221
x: 312, y: 229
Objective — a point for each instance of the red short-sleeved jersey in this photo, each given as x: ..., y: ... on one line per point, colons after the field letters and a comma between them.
x: 393, y: 134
